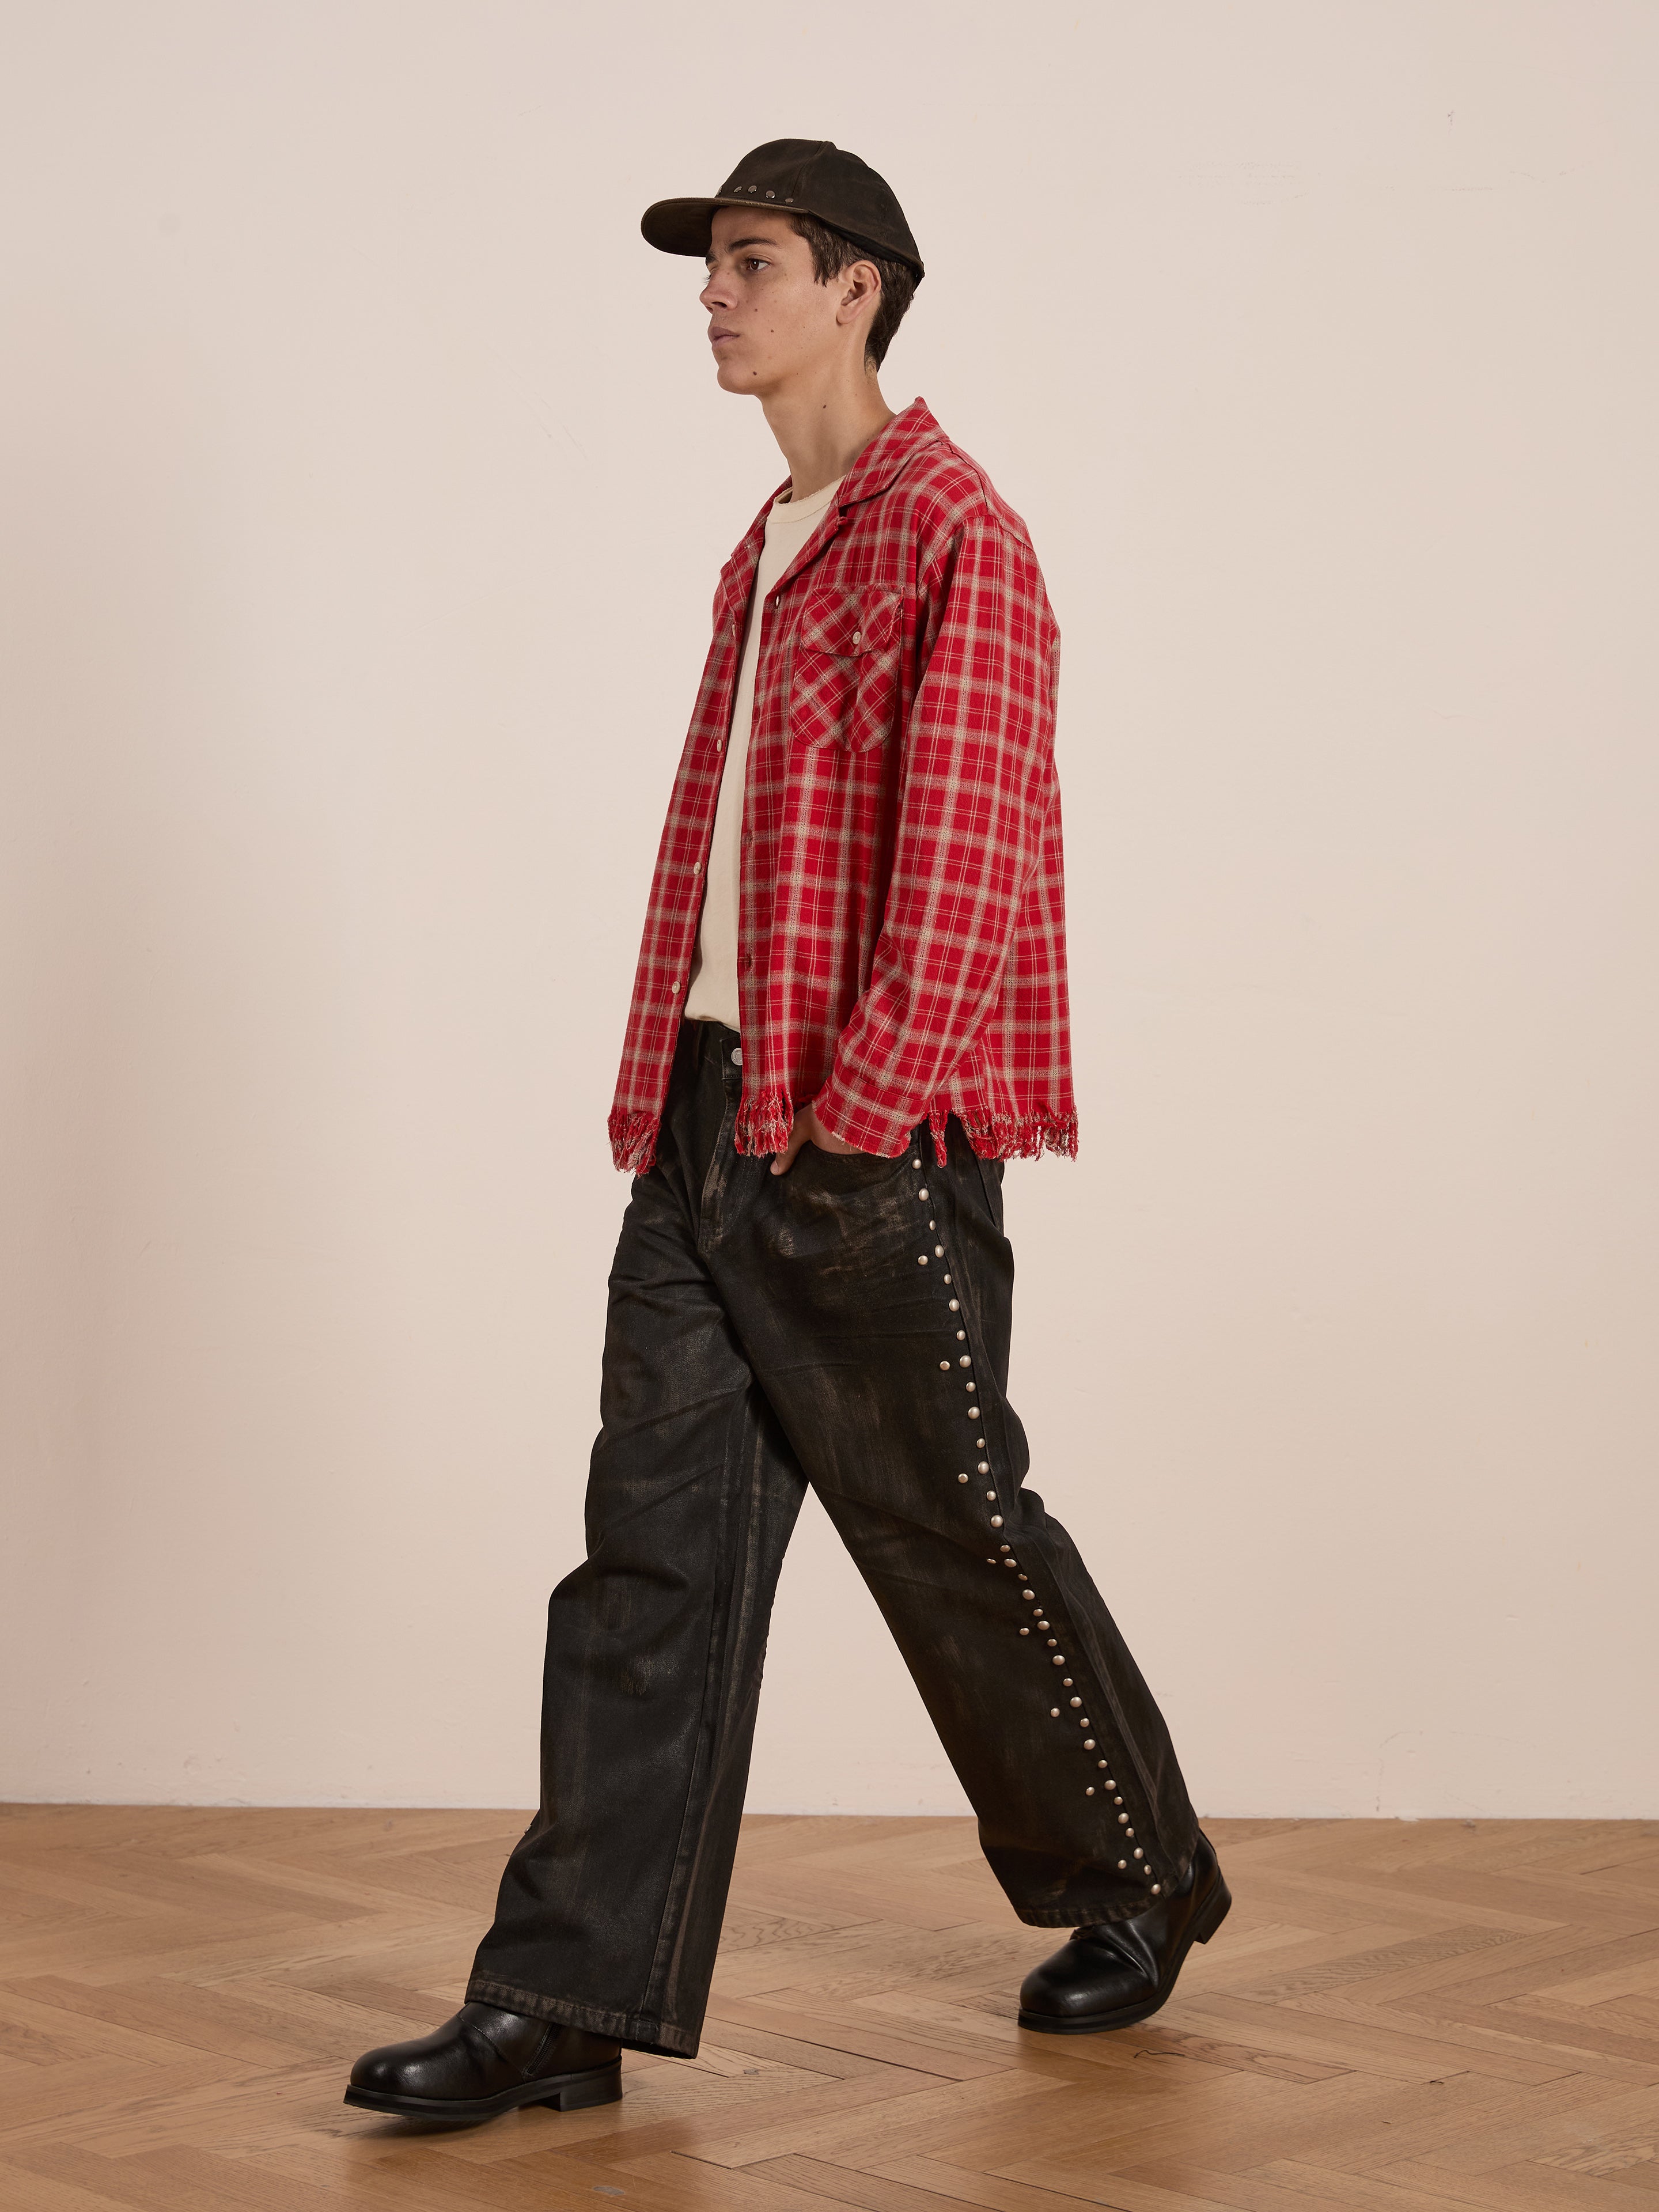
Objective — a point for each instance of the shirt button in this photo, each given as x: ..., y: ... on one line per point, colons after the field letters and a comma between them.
x: 673, y: 987
x: 696, y: 867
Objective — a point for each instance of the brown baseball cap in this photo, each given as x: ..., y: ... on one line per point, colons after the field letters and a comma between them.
x: 808, y: 176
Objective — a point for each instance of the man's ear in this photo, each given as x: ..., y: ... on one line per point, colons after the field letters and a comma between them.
x: 861, y: 281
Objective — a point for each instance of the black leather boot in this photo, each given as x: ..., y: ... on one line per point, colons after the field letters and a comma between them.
x: 484, y: 2061
x: 1116, y: 1973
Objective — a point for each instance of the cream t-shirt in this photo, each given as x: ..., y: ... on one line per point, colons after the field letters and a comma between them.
x: 713, y: 996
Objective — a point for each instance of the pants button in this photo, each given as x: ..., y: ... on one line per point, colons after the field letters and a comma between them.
x: 737, y: 1055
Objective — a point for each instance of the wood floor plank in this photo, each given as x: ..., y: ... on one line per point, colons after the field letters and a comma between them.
x: 995, y: 2190
x: 691, y: 2183
x: 870, y: 2192
x: 23, y: 2192
x: 1433, y: 2016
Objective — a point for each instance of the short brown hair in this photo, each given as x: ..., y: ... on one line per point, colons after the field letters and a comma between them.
x: 833, y: 251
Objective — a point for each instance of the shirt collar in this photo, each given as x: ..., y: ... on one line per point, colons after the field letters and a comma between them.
x: 893, y: 445
x: 896, y: 443
x: 880, y: 461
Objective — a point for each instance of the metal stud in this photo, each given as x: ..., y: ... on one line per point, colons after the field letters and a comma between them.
x: 916, y: 1163
x: 1078, y: 1701
x: 946, y: 1365
x: 1090, y: 1791
x: 1031, y: 1594
x: 1058, y: 1659
x: 922, y: 1259
x: 1129, y: 1832
x: 964, y: 1358
x: 1024, y: 1631
x: 1123, y: 1820
x: 990, y: 1493
x: 938, y: 1251
x: 922, y: 1192
x: 1157, y: 1887
x: 956, y: 1305
x: 996, y: 1520
x: 1123, y: 1866
x: 1090, y: 1747
x: 985, y: 1467
x: 1138, y: 1853
x: 962, y: 1478
x: 962, y: 1334
x: 947, y: 1278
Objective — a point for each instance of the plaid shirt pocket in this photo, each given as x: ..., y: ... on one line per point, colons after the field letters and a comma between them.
x: 844, y: 689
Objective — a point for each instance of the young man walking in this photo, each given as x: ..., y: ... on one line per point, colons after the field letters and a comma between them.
x: 849, y: 1010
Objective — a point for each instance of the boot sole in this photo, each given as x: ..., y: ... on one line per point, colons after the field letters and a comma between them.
x: 1204, y: 1922
x: 561, y: 2092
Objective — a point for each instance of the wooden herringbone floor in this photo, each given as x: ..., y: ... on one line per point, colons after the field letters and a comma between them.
x: 1445, y: 2014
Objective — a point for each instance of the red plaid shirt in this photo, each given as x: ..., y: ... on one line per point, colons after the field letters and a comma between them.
x: 900, y: 931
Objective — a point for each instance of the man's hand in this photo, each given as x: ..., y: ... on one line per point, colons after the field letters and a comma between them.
x: 807, y: 1130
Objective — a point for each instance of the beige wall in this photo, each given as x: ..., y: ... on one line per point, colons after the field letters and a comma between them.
x: 364, y: 483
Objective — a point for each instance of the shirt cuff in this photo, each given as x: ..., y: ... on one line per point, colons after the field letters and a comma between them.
x: 864, y: 1121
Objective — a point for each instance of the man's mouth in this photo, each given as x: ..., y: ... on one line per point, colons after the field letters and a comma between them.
x: 716, y: 336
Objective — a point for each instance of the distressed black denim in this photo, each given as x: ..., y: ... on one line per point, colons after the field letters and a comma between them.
x: 846, y: 1325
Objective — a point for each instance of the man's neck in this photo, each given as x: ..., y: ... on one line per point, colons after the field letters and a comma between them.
x: 823, y: 430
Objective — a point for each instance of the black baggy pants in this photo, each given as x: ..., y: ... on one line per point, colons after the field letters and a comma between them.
x: 846, y: 1325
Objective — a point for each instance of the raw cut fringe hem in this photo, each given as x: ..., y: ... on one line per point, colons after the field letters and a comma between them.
x: 764, y: 1123
x: 633, y: 1140
x: 1022, y: 1136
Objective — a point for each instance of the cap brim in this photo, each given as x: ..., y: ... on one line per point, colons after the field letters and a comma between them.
x: 686, y: 226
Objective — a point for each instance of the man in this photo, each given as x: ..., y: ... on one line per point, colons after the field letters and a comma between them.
x: 849, y: 1010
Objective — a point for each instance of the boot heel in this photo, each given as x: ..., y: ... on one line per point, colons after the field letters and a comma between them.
x: 1214, y: 1913
x: 601, y: 2087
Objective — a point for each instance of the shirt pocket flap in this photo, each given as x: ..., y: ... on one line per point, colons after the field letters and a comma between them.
x: 850, y: 622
